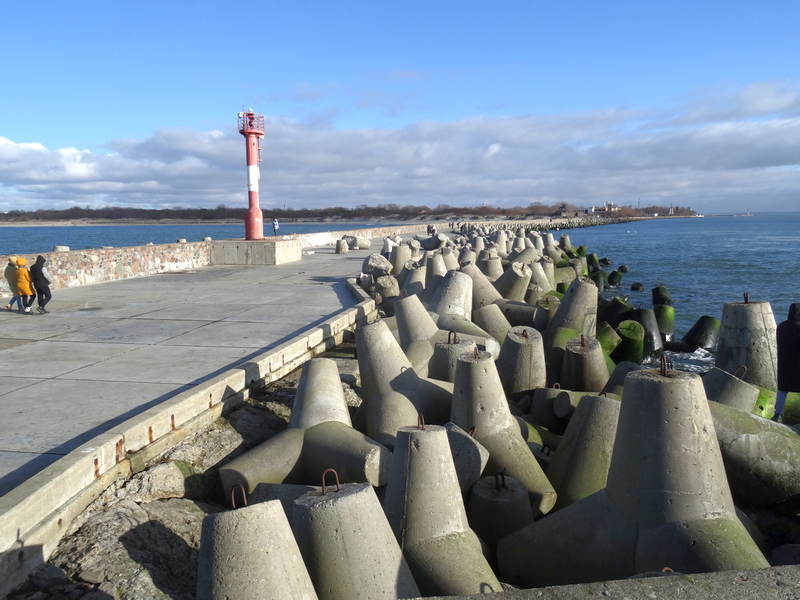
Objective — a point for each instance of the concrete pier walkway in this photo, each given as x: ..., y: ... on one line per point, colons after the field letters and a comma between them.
x: 106, y: 352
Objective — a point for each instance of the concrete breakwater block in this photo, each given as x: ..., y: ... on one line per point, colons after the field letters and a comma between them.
x: 521, y: 364
x: 469, y: 456
x: 273, y: 461
x: 348, y: 546
x: 479, y: 403
x: 424, y: 507
x: 727, y: 389
x: 492, y: 320
x: 747, y: 338
x: 483, y: 292
x: 250, y: 553
x: 394, y: 394
x: 762, y: 458
x: 498, y: 506
x: 319, y: 396
x: 579, y: 467
x: 703, y: 334
x: 578, y: 309
x: 355, y: 457
x: 342, y: 247
x: 443, y: 361
x: 658, y: 508
x: 584, y: 365
x: 513, y: 283
x: 454, y: 295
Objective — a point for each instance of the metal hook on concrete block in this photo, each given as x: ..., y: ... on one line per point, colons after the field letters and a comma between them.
x: 499, y: 480
x: 740, y: 369
x: 233, y: 497
x: 420, y: 421
x: 335, y: 476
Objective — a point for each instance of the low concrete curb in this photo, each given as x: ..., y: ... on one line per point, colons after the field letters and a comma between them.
x: 35, y: 515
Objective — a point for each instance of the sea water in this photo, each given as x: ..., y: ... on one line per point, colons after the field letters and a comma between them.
x: 33, y: 240
x: 704, y: 262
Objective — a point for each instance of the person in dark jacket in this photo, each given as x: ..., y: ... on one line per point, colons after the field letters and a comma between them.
x: 41, y: 282
x: 788, y: 334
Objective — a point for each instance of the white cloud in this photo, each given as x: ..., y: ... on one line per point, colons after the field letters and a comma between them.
x: 728, y: 152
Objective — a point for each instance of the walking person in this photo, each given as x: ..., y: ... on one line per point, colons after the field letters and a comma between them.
x: 41, y: 283
x: 788, y: 334
x: 275, y: 226
x: 25, y: 285
x: 11, y: 278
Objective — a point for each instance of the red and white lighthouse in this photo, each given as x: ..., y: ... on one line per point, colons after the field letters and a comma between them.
x: 251, y: 126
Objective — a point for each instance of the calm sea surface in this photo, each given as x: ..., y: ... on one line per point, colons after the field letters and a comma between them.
x: 29, y: 240
x: 704, y: 262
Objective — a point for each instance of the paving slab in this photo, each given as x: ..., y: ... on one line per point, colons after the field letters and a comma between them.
x: 245, y: 333
x: 50, y: 359
x: 132, y: 331
x: 12, y: 343
x: 50, y: 425
x: 16, y: 467
x: 162, y: 364
x: 40, y: 327
x: 203, y: 312
x: 9, y: 384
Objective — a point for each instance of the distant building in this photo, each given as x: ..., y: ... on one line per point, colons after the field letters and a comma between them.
x: 608, y: 207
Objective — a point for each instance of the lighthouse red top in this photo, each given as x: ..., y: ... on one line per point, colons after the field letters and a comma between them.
x: 251, y: 123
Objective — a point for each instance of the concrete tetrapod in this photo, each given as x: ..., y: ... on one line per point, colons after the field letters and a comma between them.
x: 355, y: 457
x: 703, y: 334
x: 415, y: 328
x: 479, y: 402
x: 685, y: 514
x: 658, y: 508
x: 273, y: 461
x: 747, y: 337
x: 342, y: 247
x: 251, y: 554
x: 584, y: 365
x: 762, y: 458
x: 578, y: 309
x: 454, y: 295
x: 492, y: 320
x: 615, y: 383
x: 579, y: 467
x: 434, y: 274
x: 415, y: 279
x: 424, y: 507
x: 469, y: 456
x: 555, y: 343
x: 393, y: 392
x: 442, y: 364
x: 450, y: 259
x: 319, y: 396
x: 498, y: 506
x: 513, y: 283
x: 348, y: 546
x: 483, y: 292
x: 521, y: 364
x: 729, y: 390
x: 401, y: 254
x: 652, y: 335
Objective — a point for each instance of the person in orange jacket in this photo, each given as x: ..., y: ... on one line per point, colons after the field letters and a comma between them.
x: 25, y: 285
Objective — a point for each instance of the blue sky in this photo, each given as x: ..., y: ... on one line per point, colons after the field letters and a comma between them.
x: 114, y: 81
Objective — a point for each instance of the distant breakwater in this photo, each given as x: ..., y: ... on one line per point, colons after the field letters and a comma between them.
x: 85, y: 267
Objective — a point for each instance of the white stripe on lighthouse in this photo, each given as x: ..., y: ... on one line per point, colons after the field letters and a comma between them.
x: 253, y: 175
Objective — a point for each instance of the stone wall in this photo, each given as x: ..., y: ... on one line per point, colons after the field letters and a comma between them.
x: 84, y: 267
